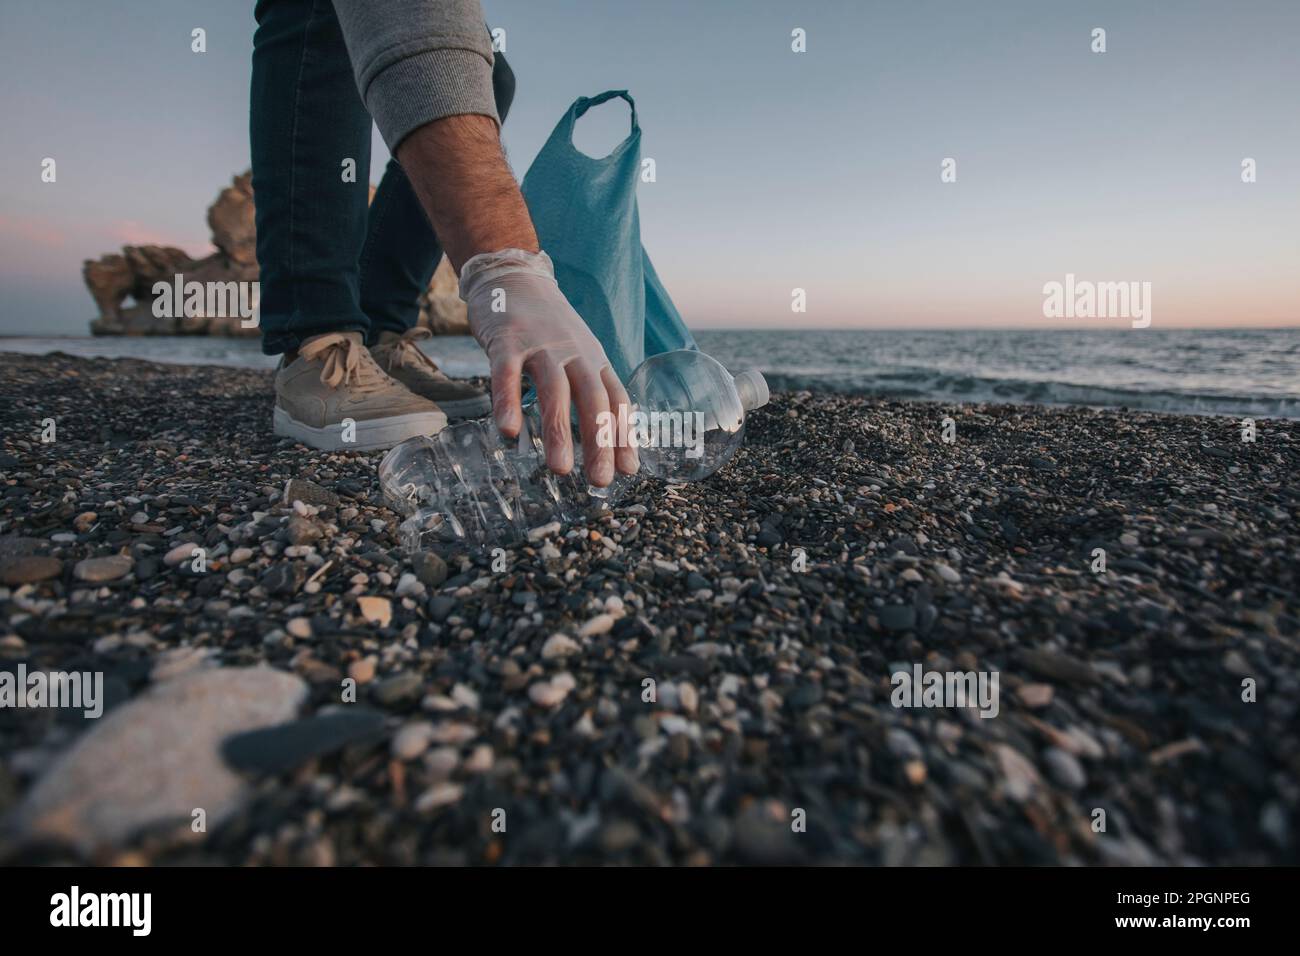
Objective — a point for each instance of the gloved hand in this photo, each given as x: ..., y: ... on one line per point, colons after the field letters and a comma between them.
x: 519, y: 316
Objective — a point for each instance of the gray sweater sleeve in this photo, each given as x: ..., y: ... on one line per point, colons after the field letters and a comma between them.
x: 418, y: 60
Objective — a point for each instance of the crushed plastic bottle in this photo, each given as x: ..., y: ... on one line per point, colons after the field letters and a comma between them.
x: 468, y: 485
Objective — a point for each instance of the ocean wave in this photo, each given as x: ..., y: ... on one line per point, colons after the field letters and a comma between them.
x: 1246, y: 373
x: 941, y: 386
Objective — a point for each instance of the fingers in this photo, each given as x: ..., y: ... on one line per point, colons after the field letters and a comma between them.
x: 506, y: 385
x: 553, y: 397
x: 599, y: 432
x: 626, y: 458
x: 544, y: 337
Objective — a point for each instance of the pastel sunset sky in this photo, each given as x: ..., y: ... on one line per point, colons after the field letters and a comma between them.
x: 775, y: 170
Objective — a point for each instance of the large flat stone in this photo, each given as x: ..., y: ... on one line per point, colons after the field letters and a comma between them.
x: 156, y: 759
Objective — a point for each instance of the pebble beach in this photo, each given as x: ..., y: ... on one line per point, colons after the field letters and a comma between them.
x: 705, y: 676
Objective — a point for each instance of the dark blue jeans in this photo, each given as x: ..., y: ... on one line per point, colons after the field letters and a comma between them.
x: 328, y: 261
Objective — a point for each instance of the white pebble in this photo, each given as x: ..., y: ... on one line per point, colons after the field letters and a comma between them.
x: 439, y: 795
x: 481, y: 760
x: 180, y: 554
x: 412, y: 740
x: 442, y: 761
x: 537, y: 534
x: 408, y: 585
x: 547, y: 693
x: 465, y: 696
x: 559, y: 645
x: 600, y: 624
x: 299, y: 627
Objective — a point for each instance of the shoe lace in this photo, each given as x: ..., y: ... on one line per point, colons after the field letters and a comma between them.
x: 406, y: 352
x: 345, y: 362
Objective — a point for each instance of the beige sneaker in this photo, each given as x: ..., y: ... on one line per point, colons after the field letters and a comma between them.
x: 334, y: 382
x: 400, y: 357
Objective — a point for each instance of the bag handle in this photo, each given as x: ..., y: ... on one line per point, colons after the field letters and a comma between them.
x: 584, y: 103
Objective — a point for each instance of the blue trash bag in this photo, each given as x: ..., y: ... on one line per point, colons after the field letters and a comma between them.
x: 586, y: 216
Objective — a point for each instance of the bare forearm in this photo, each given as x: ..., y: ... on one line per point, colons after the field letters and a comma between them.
x: 466, y: 187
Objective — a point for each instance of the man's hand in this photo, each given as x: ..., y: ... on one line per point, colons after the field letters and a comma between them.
x: 471, y: 197
x: 520, y: 317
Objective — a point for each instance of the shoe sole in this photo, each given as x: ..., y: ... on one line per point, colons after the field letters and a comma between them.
x: 375, y: 434
x: 475, y: 407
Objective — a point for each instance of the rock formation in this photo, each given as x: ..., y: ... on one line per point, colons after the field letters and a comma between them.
x: 441, y: 308
x: 131, y: 274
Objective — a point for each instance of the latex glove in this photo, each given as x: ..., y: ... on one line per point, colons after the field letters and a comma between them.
x: 519, y: 316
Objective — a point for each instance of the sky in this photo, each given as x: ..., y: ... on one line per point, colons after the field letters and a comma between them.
x: 775, y: 170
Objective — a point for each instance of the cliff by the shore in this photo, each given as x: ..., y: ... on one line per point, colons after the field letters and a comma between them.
x: 117, y: 279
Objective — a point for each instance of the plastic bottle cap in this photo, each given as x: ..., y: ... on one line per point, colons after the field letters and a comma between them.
x: 752, y: 388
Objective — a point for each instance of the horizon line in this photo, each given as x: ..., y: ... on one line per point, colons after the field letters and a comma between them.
x: 993, y: 328
x: 774, y: 328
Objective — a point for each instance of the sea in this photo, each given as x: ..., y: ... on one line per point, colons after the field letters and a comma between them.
x: 1249, y: 373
